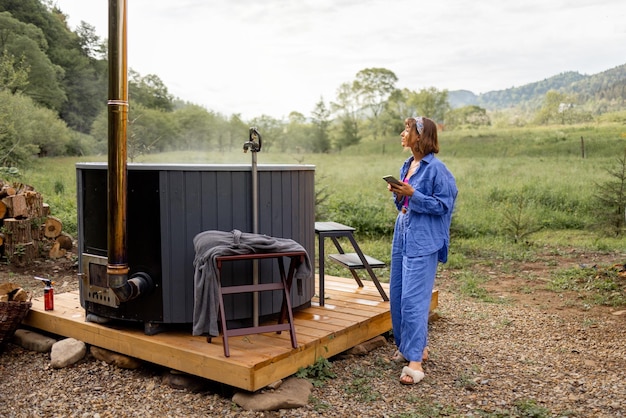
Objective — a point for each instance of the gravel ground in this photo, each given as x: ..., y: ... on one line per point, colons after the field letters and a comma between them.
x: 486, y: 360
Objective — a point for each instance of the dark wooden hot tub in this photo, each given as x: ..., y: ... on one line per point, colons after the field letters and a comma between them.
x: 168, y: 204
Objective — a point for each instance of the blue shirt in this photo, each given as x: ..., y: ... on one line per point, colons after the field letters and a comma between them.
x: 430, y: 208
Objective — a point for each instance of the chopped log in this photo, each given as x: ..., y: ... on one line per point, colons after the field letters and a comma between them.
x: 37, y: 227
x: 1, y: 239
x: 12, y: 292
x: 23, y: 188
x: 65, y: 241
x: 45, y: 210
x: 53, y: 227
x: 7, y: 190
x: 3, y: 209
x: 34, y: 204
x: 16, y: 206
x: 20, y: 295
x: 6, y: 288
x: 56, y: 251
x: 16, y: 231
x: 18, y: 245
x: 23, y: 254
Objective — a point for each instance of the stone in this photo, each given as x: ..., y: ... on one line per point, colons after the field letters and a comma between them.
x: 293, y: 393
x: 116, y: 359
x: 33, y: 341
x: 367, y: 346
x: 67, y: 352
x: 274, y: 385
x: 180, y: 380
x: 590, y: 363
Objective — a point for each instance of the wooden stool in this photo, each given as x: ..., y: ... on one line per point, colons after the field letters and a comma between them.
x: 353, y: 261
x: 284, y: 285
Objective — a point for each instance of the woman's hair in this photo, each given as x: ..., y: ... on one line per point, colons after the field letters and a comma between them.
x: 427, y: 130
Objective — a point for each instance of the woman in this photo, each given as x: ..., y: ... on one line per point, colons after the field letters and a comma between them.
x: 425, y: 201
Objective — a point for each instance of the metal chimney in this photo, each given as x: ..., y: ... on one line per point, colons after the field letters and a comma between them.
x: 117, y: 267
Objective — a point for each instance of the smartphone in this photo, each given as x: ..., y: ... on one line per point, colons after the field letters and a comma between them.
x: 392, y: 180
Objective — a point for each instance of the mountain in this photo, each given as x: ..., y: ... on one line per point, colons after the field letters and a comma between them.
x: 605, y: 90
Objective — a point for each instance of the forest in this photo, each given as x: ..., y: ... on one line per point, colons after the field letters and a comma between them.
x: 53, y: 95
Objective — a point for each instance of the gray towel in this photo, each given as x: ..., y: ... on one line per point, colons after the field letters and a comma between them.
x: 211, y: 244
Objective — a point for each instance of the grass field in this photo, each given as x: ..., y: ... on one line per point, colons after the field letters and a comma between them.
x: 515, y: 186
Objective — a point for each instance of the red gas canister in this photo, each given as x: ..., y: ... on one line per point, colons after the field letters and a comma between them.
x: 48, y: 294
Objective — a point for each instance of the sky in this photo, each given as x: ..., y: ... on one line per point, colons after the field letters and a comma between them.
x: 273, y: 57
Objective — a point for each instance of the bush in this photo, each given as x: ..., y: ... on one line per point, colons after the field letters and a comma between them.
x: 366, y: 216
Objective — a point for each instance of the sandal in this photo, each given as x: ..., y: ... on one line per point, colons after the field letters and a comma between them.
x: 415, y: 375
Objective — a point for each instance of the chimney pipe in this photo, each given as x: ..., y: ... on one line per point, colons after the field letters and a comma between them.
x: 117, y: 262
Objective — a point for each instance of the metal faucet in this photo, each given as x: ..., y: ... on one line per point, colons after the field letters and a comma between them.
x: 252, y: 143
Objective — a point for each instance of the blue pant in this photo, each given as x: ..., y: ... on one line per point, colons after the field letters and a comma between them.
x: 410, y: 287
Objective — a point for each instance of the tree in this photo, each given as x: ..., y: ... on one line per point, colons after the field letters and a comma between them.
x: 86, y: 88
x: 28, y: 44
x: 374, y: 86
x: 236, y: 133
x: 89, y: 42
x: 149, y: 91
x: 298, y: 133
x: 82, y: 57
x: 85, y: 79
x: 611, y: 199
x: 349, y: 133
x: 197, y: 127
x: 346, y: 107
x: 431, y: 103
x: 549, y: 112
x: 150, y: 131
x: 13, y: 75
x: 321, y: 123
x: 271, y: 130
x: 467, y: 117
x: 27, y: 129
x: 397, y: 109
x: 81, y: 78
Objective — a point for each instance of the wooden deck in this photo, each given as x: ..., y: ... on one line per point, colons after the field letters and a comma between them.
x: 351, y: 315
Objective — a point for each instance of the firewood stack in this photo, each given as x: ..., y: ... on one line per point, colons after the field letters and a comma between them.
x: 12, y: 292
x: 27, y: 226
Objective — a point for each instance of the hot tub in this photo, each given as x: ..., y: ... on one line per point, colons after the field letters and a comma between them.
x: 168, y: 204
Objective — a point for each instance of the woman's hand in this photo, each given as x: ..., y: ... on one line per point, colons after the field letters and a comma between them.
x: 401, y: 190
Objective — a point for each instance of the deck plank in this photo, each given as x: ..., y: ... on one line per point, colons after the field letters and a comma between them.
x: 351, y: 315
